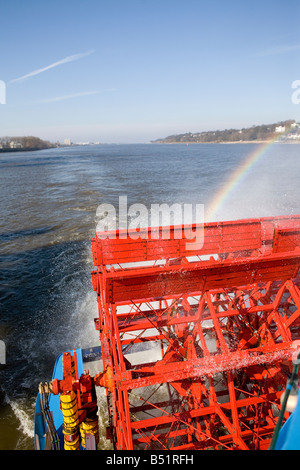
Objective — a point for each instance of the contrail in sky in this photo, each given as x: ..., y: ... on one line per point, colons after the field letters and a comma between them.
x: 74, y: 95
x: 70, y: 58
x: 66, y: 97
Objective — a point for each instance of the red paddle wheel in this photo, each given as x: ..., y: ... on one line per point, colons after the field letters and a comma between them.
x: 197, y: 340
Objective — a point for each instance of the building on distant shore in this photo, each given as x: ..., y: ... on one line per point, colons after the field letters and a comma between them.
x: 67, y: 142
x: 279, y: 129
x: 15, y: 145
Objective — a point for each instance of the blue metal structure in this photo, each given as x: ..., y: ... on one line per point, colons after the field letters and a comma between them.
x: 289, y: 435
x: 41, y: 425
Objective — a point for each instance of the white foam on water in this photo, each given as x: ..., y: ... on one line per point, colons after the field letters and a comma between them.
x: 26, y: 421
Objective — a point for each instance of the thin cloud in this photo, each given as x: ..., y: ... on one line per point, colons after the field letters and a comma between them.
x: 67, y: 97
x: 279, y: 50
x: 74, y: 95
x: 66, y: 60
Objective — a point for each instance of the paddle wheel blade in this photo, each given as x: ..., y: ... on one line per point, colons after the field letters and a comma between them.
x: 197, y: 336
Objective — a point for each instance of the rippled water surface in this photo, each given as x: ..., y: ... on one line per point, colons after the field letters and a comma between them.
x: 48, y: 203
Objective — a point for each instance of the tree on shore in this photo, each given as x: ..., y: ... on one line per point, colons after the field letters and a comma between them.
x: 263, y: 132
x: 26, y: 142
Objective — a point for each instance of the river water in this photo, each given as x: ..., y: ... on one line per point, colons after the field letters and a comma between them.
x: 48, y: 204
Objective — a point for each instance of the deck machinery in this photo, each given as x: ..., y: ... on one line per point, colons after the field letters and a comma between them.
x: 197, y: 334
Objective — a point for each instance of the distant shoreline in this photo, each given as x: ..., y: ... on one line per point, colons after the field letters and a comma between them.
x: 280, y: 132
x: 226, y: 143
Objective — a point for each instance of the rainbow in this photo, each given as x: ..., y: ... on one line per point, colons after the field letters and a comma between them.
x: 235, y: 179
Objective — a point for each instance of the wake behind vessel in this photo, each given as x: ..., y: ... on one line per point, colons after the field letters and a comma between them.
x: 198, y: 340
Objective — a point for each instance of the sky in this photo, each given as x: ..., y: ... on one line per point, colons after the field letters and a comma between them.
x: 121, y: 71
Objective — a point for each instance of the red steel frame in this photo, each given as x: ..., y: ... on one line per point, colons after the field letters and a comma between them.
x: 223, y: 321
